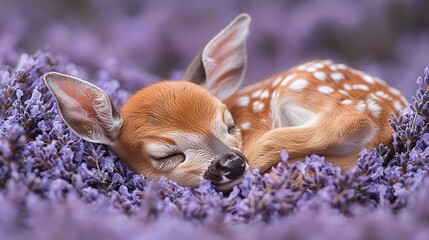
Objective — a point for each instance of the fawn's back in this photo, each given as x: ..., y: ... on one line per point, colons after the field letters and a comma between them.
x: 318, y: 107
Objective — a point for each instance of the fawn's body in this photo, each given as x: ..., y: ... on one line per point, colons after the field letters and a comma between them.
x: 318, y: 107
x: 183, y: 130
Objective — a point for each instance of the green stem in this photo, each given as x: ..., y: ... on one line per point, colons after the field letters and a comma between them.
x: 99, y: 171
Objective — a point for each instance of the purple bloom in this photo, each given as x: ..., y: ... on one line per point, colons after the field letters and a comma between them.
x: 55, y: 185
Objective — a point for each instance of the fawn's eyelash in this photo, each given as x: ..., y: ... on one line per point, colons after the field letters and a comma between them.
x: 168, y: 162
x: 164, y: 165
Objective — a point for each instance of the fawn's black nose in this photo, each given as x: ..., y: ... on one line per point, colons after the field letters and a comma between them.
x: 229, y: 165
x: 232, y: 165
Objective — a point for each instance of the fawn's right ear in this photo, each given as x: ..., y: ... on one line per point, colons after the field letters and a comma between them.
x: 85, y: 108
x: 221, y: 65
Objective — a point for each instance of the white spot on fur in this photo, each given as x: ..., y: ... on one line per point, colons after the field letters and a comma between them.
x: 298, y: 85
x: 265, y: 94
x: 256, y: 93
x: 288, y: 78
x: 344, y: 92
x: 361, y: 106
x: 373, y: 96
x: 245, y: 125
x: 311, y: 69
x: 301, y: 67
x: 383, y: 95
x: 397, y: 105
x: 319, y: 65
x: 347, y: 86
x: 337, y: 76
x: 320, y: 76
x: 243, y: 101
x: 347, y: 102
x: 360, y: 87
x: 276, y: 81
x: 373, y: 107
x: 325, y: 89
x: 341, y: 66
x: 368, y: 79
x: 258, y: 106
x: 380, y: 81
x: 333, y: 67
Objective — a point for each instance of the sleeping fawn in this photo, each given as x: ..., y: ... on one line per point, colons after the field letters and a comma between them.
x: 202, y: 128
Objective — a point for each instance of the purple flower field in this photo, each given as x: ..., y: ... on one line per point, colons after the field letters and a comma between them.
x: 54, y: 185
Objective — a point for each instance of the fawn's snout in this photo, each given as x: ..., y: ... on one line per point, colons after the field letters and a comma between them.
x: 232, y: 165
x: 228, y: 166
x: 225, y: 171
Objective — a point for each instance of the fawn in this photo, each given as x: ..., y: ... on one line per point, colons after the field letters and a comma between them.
x: 202, y: 127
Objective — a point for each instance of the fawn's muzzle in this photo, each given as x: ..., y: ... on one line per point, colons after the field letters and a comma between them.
x: 232, y: 165
x: 229, y: 166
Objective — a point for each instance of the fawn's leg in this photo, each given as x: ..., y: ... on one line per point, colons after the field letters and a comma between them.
x: 338, y: 136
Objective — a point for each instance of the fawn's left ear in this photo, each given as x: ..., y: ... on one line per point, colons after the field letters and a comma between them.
x: 221, y: 64
x: 85, y: 108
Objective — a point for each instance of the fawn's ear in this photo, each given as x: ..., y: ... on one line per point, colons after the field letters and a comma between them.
x: 85, y: 108
x: 221, y: 64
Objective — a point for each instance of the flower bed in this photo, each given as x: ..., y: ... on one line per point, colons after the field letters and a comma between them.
x: 53, y: 185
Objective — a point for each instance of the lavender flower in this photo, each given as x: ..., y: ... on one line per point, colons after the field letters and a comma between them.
x: 50, y: 177
x: 55, y: 185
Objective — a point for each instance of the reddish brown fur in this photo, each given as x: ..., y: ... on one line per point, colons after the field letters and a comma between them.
x: 337, y: 123
x: 164, y: 107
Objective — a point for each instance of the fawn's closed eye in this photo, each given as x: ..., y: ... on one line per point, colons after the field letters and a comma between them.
x: 169, y: 161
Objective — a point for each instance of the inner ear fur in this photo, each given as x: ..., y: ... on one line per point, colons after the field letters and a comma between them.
x: 221, y: 65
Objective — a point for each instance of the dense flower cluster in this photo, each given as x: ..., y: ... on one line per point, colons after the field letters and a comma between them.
x: 54, y: 185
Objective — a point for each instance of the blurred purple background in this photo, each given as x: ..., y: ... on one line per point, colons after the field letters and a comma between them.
x: 387, y: 38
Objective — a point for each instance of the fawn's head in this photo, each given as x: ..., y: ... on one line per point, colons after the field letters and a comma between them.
x: 178, y: 129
